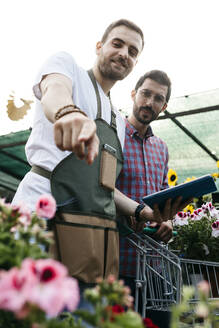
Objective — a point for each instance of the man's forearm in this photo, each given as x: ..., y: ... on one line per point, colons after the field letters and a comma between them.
x: 127, y: 206
x: 124, y: 205
x: 56, y: 93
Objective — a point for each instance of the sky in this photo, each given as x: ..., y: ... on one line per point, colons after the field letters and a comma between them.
x: 181, y: 38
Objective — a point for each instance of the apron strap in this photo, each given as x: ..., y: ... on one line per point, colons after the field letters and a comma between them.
x: 99, y: 110
x: 93, y: 80
x: 113, y: 118
x: 41, y: 171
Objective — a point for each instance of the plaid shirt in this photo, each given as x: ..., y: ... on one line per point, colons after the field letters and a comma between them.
x: 144, y: 172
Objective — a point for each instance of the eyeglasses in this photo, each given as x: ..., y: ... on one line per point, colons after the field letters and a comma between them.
x: 159, y: 99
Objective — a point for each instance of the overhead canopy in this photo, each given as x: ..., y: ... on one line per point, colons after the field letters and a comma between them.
x: 13, y: 162
x: 198, y: 114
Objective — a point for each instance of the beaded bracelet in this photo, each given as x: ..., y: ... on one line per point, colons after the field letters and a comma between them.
x: 67, y: 110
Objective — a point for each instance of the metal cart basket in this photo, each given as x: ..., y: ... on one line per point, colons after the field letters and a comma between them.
x: 160, y: 275
x: 193, y: 271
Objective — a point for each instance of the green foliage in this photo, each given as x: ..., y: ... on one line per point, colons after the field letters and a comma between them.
x: 8, y: 320
x: 66, y: 320
x: 129, y: 319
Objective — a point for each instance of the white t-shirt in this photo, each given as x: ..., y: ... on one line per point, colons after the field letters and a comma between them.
x: 40, y: 148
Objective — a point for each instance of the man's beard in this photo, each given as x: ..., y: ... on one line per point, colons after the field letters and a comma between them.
x: 142, y: 120
x: 107, y: 71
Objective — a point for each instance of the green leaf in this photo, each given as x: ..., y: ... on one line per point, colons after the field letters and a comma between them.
x: 129, y: 319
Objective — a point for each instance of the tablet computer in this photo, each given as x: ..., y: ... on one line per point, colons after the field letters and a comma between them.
x: 194, y: 188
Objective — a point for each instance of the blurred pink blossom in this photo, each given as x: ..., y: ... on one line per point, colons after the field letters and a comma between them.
x: 111, y: 279
x: 49, y: 270
x: 54, y: 297
x: 46, y: 206
x: 21, y: 213
x: 43, y: 283
x: 203, y: 287
x: 14, y: 290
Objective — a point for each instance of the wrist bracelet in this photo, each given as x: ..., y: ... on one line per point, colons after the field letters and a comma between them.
x: 137, y: 211
x: 67, y: 110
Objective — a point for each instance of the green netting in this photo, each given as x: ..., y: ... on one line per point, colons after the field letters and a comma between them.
x: 186, y: 157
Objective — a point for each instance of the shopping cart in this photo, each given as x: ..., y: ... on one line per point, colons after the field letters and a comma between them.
x: 161, y: 273
x: 158, y: 273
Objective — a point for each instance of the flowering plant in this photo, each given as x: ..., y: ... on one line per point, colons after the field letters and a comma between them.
x: 172, y: 177
x: 33, y: 288
x: 197, y: 233
x: 201, y: 314
x: 37, y: 289
x: 21, y: 232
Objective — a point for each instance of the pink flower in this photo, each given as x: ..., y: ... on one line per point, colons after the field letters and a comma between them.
x: 43, y: 283
x: 49, y: 270
x: 71, y: 293
x: 111, y: 279
x: 14, y: 290
x: 54, y: 290
x: 204, y: 288
x: 46, y: 206
x: 25, y: 214
x: 53, y: 297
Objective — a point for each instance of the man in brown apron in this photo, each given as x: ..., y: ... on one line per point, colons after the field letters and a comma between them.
x: 76, y: 105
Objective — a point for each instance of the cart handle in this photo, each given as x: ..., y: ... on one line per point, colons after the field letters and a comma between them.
x: 151, y: 230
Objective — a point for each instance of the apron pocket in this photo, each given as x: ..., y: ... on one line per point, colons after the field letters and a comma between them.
x: 108, y: 170
x: 89, y: 252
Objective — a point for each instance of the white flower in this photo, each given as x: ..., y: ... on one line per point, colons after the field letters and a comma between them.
x: 215, y: 233
x: 202, y: 310
x: 205, y: 247
x: 180, y: 219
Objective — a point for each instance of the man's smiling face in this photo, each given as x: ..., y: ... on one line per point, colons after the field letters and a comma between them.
x: 118, y: 54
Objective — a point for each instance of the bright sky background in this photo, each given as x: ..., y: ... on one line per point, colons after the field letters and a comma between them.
x: 181, y: 38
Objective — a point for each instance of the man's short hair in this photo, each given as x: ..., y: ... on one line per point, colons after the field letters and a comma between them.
x: 157, y: 76
x: 125, y: 22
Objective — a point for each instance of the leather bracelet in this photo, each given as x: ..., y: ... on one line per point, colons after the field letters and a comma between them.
x: 137, y: 212
x: 67, y: 110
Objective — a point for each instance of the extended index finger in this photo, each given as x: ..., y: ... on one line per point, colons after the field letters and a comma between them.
x: 88, y: 131
x: 92, y: 149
